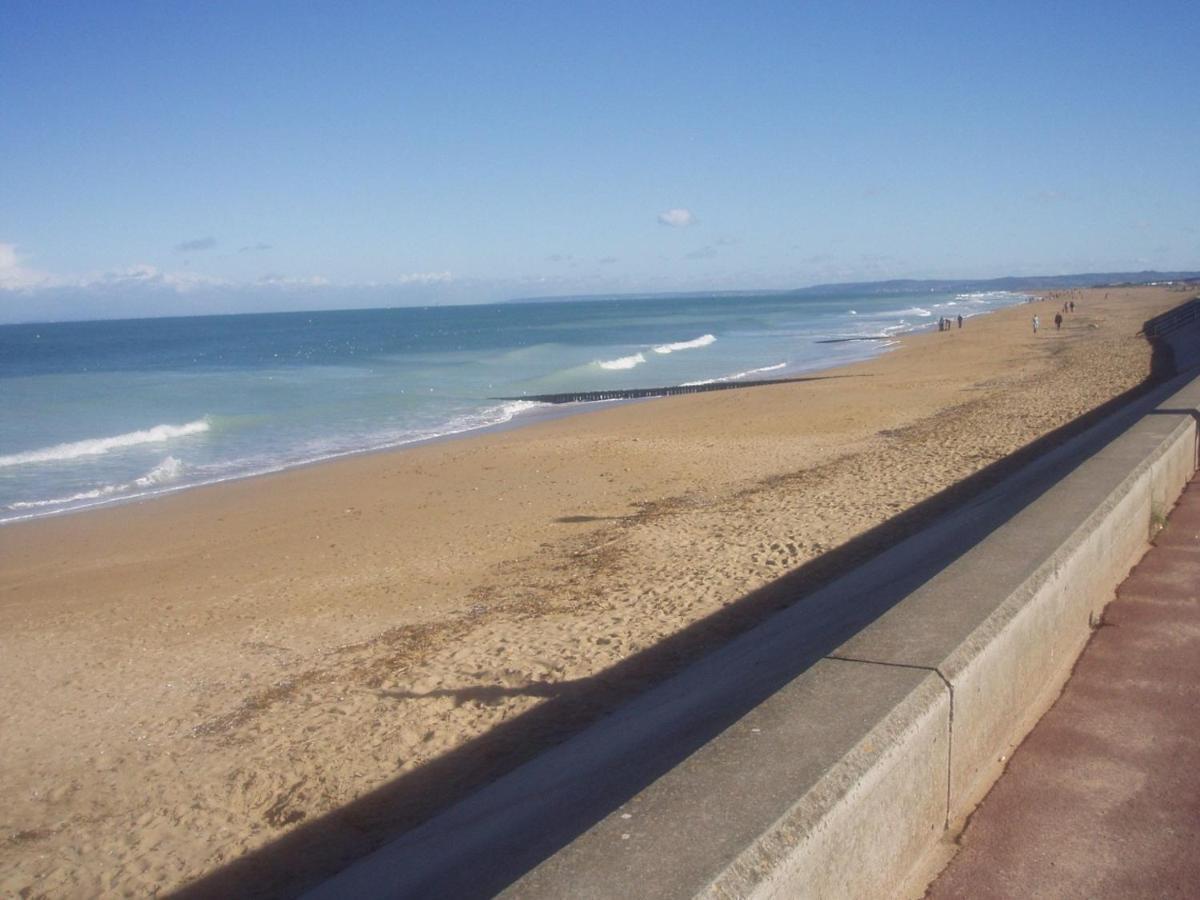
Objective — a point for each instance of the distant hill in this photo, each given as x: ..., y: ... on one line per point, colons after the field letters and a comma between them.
x: 1009, y: 283
x: 915, y: 286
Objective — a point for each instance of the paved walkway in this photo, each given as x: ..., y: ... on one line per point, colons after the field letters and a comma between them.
x: 1102, y: 800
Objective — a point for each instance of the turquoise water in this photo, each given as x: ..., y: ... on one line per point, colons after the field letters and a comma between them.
x: 100, y: 412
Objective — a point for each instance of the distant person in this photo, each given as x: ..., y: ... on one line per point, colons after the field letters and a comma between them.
x: 1073, y: 304
x: 1058, y: 321
x: 1035, y: 324
x: 960, y: 320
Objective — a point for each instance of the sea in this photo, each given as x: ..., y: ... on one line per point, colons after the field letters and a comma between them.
x: 102, y: 412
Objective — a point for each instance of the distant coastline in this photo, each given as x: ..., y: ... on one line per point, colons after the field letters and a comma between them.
x: 1007, y: 283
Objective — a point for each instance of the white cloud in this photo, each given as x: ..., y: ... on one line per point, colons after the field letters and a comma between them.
x: 14, y: 276
x: 143, y: 289
x: 677, y: 218
x: 144, y: 274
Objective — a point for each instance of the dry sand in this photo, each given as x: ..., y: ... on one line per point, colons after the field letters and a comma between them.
x: 304, y: 663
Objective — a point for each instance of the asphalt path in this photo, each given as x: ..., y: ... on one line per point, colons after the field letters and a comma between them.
x: 1102, y: 800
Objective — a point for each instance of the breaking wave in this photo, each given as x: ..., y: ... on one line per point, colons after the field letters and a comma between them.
x: 623, y: 362
x: 702, y: 341
x: 164, y: 473
x: 96, y: 446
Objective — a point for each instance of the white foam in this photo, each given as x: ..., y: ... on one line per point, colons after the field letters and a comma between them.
x: 493, y: 415
x: 106, y: 491
x: 165, y: 477
x: 988, y: 295
x: 702, y: 341
x: 96, y: 446
x: 735, y: 377
x: 165, y: 472
x: 624, y: 362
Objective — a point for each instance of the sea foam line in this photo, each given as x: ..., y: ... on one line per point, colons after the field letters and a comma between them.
x: 164, y: 473
x: 96, y: 446
x: 703, y: 341
x: 737, y: 376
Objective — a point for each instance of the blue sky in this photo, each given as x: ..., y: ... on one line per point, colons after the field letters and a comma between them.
x: 167, y: 158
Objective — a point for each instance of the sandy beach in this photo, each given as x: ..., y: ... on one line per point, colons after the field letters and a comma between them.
x: 285, y: 671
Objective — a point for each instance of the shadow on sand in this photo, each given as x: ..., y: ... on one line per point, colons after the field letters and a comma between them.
x: 324, y: 846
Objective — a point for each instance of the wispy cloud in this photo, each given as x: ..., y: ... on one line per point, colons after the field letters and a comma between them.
x: 143, y: 274
x: 287, y: 281
x: 607, y: 260
x: 204, y: 243
x: 677, y: 218
x: 424, y: 278
x: 16, y: 277
x: 702, y: 253
x: 145, y: 290
x: 254, y: 248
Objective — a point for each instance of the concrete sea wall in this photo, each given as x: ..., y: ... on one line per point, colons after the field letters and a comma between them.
x: 830, y: 751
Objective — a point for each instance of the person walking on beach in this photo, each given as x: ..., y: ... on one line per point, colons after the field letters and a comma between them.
x: 1035, y: 323
x: 960, y: 320
x: 1058, y: 321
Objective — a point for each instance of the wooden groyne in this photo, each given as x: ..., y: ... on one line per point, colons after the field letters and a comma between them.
x: 641, y: 393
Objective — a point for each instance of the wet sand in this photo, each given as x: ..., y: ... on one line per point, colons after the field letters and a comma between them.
x: 289, y: 669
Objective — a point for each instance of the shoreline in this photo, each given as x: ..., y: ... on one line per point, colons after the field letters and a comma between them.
x: 257, y: 655
x: 518, y: 420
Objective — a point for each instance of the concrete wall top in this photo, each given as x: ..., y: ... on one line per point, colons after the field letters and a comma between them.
x: 934, y: 623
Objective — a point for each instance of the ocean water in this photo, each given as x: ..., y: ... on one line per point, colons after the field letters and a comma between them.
x: 103, y: 412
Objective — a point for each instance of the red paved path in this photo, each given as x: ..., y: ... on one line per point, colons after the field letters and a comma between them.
x: 1102, y: 800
